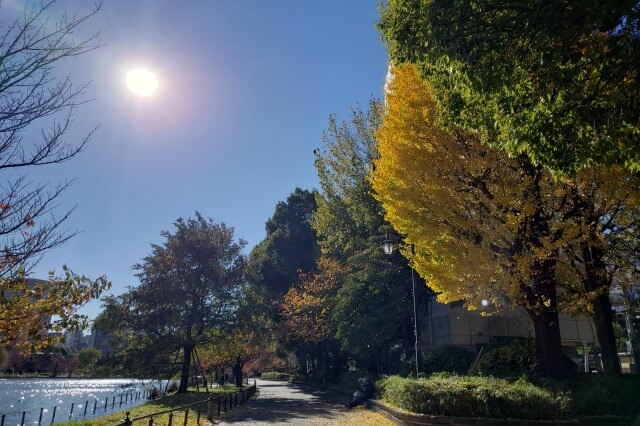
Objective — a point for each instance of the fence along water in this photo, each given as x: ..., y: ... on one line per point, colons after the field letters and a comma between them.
x: 82, y: 410
x: 215, y: 407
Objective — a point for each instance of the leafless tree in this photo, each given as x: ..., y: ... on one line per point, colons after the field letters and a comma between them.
x: 33, y: 97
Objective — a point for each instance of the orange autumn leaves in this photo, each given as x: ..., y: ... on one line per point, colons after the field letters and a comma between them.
x: 307, y: 307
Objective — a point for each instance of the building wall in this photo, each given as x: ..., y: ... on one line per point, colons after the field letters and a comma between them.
x: 102, y: 341
x: 454, y: 325
x: 74, y: 340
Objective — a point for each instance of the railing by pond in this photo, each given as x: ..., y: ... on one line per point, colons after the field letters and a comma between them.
x: 212, y: 407
x: 90, y: 407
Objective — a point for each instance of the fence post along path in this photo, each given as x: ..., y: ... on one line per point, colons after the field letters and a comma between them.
x: 240, y: 397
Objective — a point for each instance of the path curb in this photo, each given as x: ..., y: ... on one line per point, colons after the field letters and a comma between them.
x: 402, y: 417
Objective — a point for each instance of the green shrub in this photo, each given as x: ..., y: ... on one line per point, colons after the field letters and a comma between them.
x: 474, y: 396
x: 172, y: 387
x: 450, y: 359
x: 274, y: 375
x: 517, y: 356
x: 600, y: 395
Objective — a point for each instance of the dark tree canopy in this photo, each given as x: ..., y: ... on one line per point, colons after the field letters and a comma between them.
x: 289, y: 247
x: 557, y: 80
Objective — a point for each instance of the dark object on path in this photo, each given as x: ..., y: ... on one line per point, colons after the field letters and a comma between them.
x: 154, y: 393
x: 363, y: 394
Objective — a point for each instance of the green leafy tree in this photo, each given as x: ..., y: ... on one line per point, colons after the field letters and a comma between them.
x: 371, y: 308
x: 348, y: 217
x: 88, y: 357
x: 555, y: 80
x: 351, y: 226
x: 135, y: 354
x: 191, y: 283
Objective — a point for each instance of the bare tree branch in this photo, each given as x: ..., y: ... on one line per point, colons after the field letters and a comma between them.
x: 32, y: 95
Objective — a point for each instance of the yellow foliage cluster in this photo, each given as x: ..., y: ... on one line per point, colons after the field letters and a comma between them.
x: 31, y: 309
x: 467, y: 207
x: 425, y: 180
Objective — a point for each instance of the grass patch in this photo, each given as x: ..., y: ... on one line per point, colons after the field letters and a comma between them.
x: 159, y: 405
x: 215, y: 390
x: 274, y: 375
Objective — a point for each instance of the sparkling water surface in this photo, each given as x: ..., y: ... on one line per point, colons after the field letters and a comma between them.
x: 30, y: 395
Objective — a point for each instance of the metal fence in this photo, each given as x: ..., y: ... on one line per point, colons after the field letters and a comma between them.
x: 212, y: 407
x: 89, y: 408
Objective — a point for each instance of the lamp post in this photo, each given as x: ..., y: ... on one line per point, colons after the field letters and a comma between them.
x: 388, y: 247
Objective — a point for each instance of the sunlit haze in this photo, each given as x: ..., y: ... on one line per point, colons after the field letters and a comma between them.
x: 243, y: 93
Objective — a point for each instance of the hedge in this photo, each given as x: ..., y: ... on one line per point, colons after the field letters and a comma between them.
x: 450, y: 359
x: 274, y: 375
x: 475, y: 396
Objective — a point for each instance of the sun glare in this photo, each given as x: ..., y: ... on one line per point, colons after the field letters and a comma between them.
x: 142, y: 82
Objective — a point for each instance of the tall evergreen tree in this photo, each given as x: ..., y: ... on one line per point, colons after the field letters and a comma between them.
x: 289, y: 247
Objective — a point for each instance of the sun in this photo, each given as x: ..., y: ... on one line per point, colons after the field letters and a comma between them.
x: 142, y: 82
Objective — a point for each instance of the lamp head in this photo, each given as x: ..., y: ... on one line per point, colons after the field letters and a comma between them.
x: 387, y: 246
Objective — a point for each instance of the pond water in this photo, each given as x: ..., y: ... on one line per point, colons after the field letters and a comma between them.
x: 48, y: 395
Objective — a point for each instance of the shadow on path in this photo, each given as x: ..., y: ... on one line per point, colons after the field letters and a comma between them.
x: 289, y: 403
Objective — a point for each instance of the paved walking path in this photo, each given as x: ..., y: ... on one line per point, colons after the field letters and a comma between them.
x: 294, y: 404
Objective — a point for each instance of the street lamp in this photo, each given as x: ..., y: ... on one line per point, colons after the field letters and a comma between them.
x: 388, y: 246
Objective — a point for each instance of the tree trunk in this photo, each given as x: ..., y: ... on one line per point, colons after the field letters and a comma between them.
x: 406, y: 330
x: 540, y: 292
x: 186, y: 365
x: 237, y: 372
x: 302, y: 364
x: 603, y: 318
x: 597, y: 281
x: 55, y: 369
x: 632, y: 343
x: 549, y: 358
x: 314, y: 368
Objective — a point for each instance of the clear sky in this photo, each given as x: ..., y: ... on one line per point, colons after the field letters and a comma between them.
x: 245, y: 92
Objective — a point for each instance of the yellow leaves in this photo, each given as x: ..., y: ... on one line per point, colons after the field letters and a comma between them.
x: 443, y: 190
x: 483, y: 222
x: 26, y: 306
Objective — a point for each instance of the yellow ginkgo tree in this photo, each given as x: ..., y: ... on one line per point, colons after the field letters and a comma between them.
x: 487, y: 225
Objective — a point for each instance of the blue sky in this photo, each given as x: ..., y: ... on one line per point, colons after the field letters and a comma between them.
x: 246, y: 89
